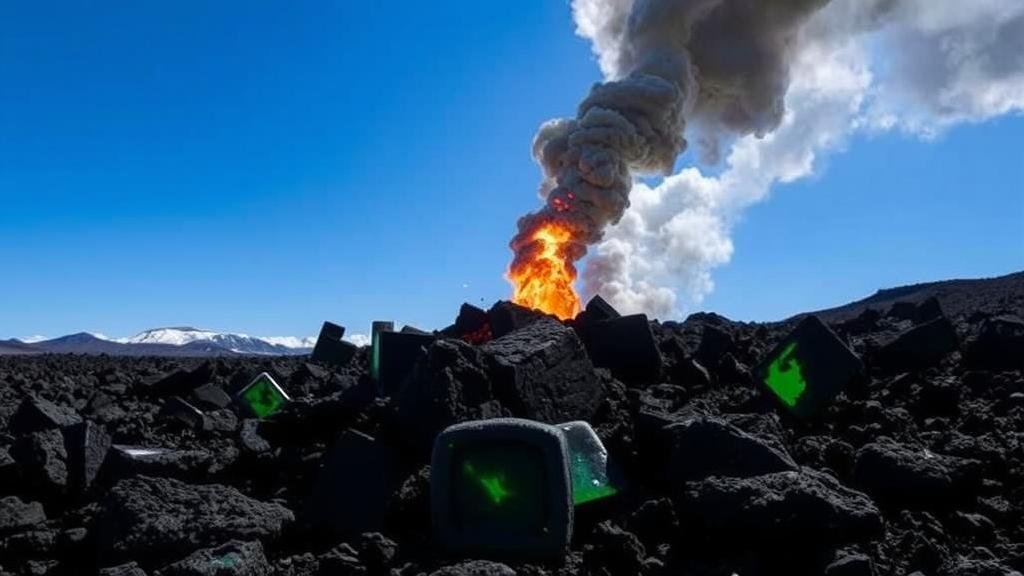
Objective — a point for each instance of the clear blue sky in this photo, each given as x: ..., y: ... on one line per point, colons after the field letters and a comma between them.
x: 261, y: 167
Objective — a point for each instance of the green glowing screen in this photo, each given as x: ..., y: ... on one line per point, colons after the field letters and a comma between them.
x: 500, y: 486
x: 263, y: 397
x: 785, y: 376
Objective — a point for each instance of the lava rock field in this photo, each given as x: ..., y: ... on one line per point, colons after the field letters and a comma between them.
x: 134, y: 466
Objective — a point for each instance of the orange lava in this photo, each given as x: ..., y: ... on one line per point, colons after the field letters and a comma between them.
x: 543, y: 281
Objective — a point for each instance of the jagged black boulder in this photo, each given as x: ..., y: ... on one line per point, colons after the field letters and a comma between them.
x: 154, y: 520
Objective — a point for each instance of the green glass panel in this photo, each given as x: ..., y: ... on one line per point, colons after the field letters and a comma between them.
x: 263, y: 397
x: 375, y: 356
x: 589, y: 480
x: 785, y: 376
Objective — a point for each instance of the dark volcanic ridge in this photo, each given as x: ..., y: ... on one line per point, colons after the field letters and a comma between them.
x: 118, y: 465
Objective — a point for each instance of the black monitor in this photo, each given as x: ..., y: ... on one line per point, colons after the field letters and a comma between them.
x: 501, y: 488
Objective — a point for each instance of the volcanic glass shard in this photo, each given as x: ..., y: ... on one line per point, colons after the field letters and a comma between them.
x: 588, y: 464
x: 501, y: 488
x: 330, y: 348
x: 376, y: 328
x: 263, y: 397
x: 809, y: 368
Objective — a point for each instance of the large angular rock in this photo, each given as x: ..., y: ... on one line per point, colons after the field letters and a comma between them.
x: 124, y: 461
x: 10, y: 471
x: 180, y: 382
x: 999, y: 345
x: 809, y: 507
x: 87, y: 445
x: 330, y: 348
x: 352, y: 491
x: 154, y: 520
x: 625, y: 345
x: 906, y: 477
x: 702, y: 446
x: 449, y: 385
x: 851, y: 564
x: 234, y: 558
x: 43, y: 460
x: 210, y: 397
x: 16, y: 515
x: 542, y: 372
x: 615, y: 549
x: 919, y: 347
x: 475, y: 568
x: 506, y: 317
x: 36, y: 415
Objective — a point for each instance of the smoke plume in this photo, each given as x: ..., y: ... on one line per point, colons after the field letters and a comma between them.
x: 765, y: 89
x: 723, y: 66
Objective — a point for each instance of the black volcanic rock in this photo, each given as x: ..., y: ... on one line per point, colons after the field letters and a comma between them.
x: 784, y: 507
x: 179, y: 382
x: 450, y: 384
x: 351, y: 499
x: 35, y: 415
x: 899, y: 475
x: 542, y: 372
x: 234, y: 558
x: 869, y: 444
x: 506, y: 317
x: 626, y: 346
x: 126, y: 569
x: 999, y: 345
x: 16, y: 515
x: 704, y: 446
x: 475, y: 568
x: 43, y: 460
x: 919, y: 347
x: 210, y: 397
x: 155, y: 519
x: 928, y: 310
x: 86, y: 445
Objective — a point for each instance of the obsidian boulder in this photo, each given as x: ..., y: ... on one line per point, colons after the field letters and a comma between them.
x: 626, y: 346
x: 352, y: 490
x: 398, y: 354
x: 330, y: 348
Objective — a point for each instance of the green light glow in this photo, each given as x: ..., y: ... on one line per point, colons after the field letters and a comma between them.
x: 263, y: 398
x: 494, y: 485
x: 375, y: 356
x: 785, y: 376
x: 587, y: 484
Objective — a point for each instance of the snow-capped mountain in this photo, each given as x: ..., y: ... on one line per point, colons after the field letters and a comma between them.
x: 175, y: 341
x: 237, y: 343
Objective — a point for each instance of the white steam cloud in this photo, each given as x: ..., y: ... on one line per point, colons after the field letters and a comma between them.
x: 919, y: 66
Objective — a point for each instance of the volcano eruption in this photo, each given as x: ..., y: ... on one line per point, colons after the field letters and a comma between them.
x: 721, y: 65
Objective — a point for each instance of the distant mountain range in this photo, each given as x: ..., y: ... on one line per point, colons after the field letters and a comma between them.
x: 182, y: 341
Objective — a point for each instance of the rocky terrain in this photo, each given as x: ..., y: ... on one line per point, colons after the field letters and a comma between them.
x: 133, y: 466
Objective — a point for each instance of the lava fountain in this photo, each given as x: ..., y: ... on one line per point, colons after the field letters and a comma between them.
x: 542, y: 275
